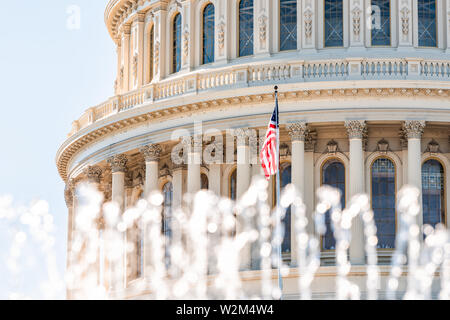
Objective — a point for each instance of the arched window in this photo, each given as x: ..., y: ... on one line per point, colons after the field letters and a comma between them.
x: 426, y: 11
x: 233, y: 181
x: 333, y: 175
x: 167, y: 216
x: 285, y: 180
x: 383, y: 201
x: 245, y: 28
x: 208, y: 34
x: 288, y: 25
x: 334, y: 23
x: 151, y: 40
x: 176, y: 54
x: 433, y: 192
x: 204, y: 182
x: 381, y: 23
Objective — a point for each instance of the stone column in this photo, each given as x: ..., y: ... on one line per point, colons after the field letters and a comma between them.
x: 152, y: 154
x: 194, y: 162
x: 243, y: 162
x: 215, y: 178
x: 356, y: 130
x: 179, y: 185
x: 160, y: 29
x: 298, y: 132
x: 242, y: 185
x: 117, y: 261
x: 126, y: 57
x: 309, y: 190
x: 70, y: 202
x: 413, y: 131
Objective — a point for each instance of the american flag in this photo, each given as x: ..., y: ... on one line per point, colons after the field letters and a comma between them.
x: 269, y: 150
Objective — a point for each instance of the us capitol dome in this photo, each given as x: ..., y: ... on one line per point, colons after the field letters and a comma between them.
x: 364, y: 89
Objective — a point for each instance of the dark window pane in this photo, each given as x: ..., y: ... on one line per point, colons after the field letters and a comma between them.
x: 334, y: 23
x: 426, y: 10
x: 333, y: 173
x: 288, y: 25
x: 381, y: 23
x: 245, y: 28
x: 176, y: 62
x: 433, y: 192
x: 383, y: 201
x: 208, y: 34
x: 285, y: 180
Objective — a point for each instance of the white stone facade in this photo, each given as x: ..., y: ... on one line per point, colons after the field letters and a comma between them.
x: 357, y: 96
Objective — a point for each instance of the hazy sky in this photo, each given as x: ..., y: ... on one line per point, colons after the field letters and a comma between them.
x: 49, y: 76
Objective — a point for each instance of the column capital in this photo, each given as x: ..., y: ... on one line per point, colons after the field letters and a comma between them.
x: 356, y: 129
x: 127, y: 29
x: 151, y: 152
x: 413, y: 129
x: 118, y: 163
x: 69, y: 193
x: 93, y: 173
x: 241, y: 136
x: 298, y: 131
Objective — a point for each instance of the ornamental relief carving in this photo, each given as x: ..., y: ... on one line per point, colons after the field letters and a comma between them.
x: 262, y: 20
x: 221, y: 37
x: 185, y: 45
x: 308, y: 23
x: 156, y: 58
x: 356, y: 129
x: 405, y: 21
x: 356, y: 22
x: 93, y: 173
x: 135, y: 66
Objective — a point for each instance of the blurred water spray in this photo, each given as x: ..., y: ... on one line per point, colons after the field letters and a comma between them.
x: 204, y: 253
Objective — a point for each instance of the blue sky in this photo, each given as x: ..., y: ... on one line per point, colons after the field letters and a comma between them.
x: 49, y: 76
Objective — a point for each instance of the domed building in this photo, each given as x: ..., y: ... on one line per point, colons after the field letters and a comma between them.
x: 364, y: 100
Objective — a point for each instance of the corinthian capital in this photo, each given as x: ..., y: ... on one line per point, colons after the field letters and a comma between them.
x: 242, y: 135
x: 356, y: 129
x: 151, y: 152
x: 118, y: 163
x: 413, y: 129
x: 298, y: 131
x: 93, y: 173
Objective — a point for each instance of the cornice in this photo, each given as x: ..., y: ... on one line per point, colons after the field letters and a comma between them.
x: 101, y: 129
x: 119, y: 11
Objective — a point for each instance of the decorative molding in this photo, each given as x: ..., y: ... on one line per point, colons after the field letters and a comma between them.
x: 74, y: 144
x: 242, y: 135
x: 118, y: 163
x: 69, y: 194
x: 262, y: 21
x: 433, y: 147
x: 332, y: 147
x: 383, y: 146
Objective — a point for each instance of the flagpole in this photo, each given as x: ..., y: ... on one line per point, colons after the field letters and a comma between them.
x: 278, y: 209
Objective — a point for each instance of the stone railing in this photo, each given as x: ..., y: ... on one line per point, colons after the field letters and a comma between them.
x: 261, y: 74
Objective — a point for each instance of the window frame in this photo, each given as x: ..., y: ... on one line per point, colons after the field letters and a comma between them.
x: 296, y: 29
x: 202, y: 34
x: 343, y: 27
x: 238, y: 23
x: 391, y: 29
x: 436, y: 3
x: 174, y: 58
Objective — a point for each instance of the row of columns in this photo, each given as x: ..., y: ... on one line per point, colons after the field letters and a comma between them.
x: 302, y: 163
